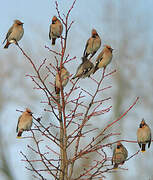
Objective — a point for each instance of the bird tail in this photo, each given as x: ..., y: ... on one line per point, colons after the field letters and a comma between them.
x: 84, y: 58
x: 95, y: 69
x: 6, y: 45
x: 53, y: 41
x: 85, y: 55
x: 4, y: 41
x: 115, y: 166
x: 58, y: 98
x: 57, y: 90
x: 74, y: 77
x: 143, y: 149
x: 19, y: 134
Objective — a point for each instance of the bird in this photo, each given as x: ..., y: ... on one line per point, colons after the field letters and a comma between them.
x: 143, y: 135
x: 64, y: 79
x: 92, y: 45
x: 24, y: 122
x: 85, y: 69
x: 14, y: 34
x: 120, y: 155
x: 56, y: 29
x: 104, y: 58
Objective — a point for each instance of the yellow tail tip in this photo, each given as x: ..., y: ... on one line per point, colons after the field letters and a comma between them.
x: 143, y: 151
x: 19, y: 137
x: 115, y: 168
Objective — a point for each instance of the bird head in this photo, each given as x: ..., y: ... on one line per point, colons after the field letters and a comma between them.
x: 54, y: 19
x: 94, y: 33
x: 119, y: 145
x: 109, y: 47
x: 29, y: 111
x: 142, y: 124
x: 18, y: 22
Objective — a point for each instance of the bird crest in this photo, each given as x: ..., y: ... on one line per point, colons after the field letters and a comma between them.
x: 18, y: 22
x: 28, y: 110
x: 54, y: 18
x: 94, y: 32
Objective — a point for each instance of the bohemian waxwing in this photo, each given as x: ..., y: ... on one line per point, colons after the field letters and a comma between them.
x: 64, y: 79
x: 143, y: 135
x: 14, y: 34
x: 56, y: 29
x: 120, y: 154
x: 85, y: 69
x: 92, y: 45
x: 104, y: 58
x: 24, y: 122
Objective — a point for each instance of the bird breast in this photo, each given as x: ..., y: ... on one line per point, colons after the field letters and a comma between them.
x: 93, y: 45
x: 64, y: 79
x: 56, y: 30
x: 119, y: 158
x: 105, y: 60
x: 16, y: 33
x: 143, y: 134
x: 25, y: 122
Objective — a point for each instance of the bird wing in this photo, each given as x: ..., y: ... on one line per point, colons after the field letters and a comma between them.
x: 85, y: 71
x: 50, y: 32
x: 8, y: 33
x: 86, y: 48
x: 78, y: 72
x: 125, y: 152
x: 99, y: 58
x: 149, y: 142
x: 61, y: 28
x: 18, y: 124
x: 113, y: 155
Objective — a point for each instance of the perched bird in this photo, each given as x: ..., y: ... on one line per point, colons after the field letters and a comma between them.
x: 56, y: 29
x: 64, y: 79
x: 104, y: 58
x: 120, y: 154
x: 24, y: 122
x: 92, y: 45
x: 85, y: 69
x: 143, y: 135
x: 14, y: 34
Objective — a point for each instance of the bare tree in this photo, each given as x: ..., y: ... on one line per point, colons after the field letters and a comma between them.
x: 63, y: 142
